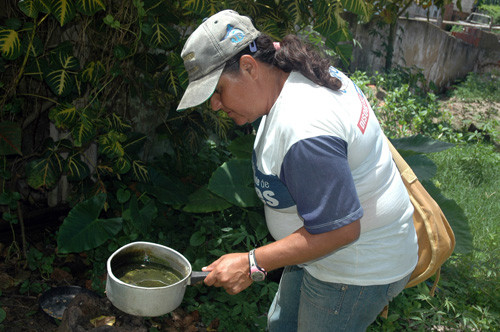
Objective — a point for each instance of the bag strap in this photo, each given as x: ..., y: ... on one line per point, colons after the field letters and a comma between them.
x: 405, y: 170
x: 408, y: 175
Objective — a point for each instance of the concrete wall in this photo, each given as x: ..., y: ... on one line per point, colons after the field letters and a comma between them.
x: 442, y: 57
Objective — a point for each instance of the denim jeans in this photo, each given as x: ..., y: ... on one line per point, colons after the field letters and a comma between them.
x: 304, y: 303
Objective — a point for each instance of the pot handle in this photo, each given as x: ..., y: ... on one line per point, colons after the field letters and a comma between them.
x: 197, y: 276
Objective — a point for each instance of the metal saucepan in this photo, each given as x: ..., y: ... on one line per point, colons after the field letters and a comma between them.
x: 149, y: 301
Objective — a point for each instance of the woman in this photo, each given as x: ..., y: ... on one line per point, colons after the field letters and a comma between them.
x: 334, y: 200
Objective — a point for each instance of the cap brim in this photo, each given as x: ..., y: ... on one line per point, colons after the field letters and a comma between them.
x: 200, y: 90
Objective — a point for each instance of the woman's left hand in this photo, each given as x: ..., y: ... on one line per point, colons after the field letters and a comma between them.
x: 230, y: 271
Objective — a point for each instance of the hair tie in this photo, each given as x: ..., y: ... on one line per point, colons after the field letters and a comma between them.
x: 253, y: 46
x: 277, y: 46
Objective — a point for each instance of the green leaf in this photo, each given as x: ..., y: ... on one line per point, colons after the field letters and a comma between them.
x: 45, y: 172
x: 142, y: 218
x: 63, y: 10
x: 29, y: 7
x: 140, y: 171
x: 361, y: 8
x: 110, y: 20
x: 121, y: 52
x: 62, y: 79
x: 84, y: 130
x: 10, y: 138
x: 122, y: 165
x: 197, y: 239
x: 90, y: 7
x: 234, y: 182
x: 455, y: 216
x: 172, y: 82
x: 122, y: 195
x: 242, y: 147
x: 419, y: 144
x: 204, y: 201
x: 163, y: 36
x: 10, y: 44
x: 83, y: 230
x: 199, y: 7
x: 424, y: 168
x: 44, y: 6
x: 169, y: 191
x: 36, y: 48
x: 3, y: 315
x: 64, y: 115
x: 110, y: 144
x: 146, y: 61
x: 93, y: 71
x: 76, y: 169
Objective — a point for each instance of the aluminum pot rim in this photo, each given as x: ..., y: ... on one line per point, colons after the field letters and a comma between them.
x: 184, y: 260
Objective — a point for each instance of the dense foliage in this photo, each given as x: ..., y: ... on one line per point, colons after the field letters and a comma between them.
x: 88, y: 92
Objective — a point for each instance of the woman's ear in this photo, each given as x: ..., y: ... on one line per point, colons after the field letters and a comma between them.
x: 249, y: 65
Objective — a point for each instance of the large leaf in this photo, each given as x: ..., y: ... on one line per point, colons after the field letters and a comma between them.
x: 204, y: 201
x: 419, y: 144
x: 234, y: 182
x: 90, y: 7
x: 169, y: 191
x: 110, y: 144
x: 455, y: 216
x: 10, y: 44
x: 361, y: 8
x: 163, y: 36
x: 423, y: 166
x: 35, y: 49
x: 64, y: 115
x: 121, y: 165
x: 242, y: 147
x: 30, y: 8
x: 83, y: 230
x: 10, y: 138
x: 76, y: 169
x: 93, y: 71
x: 61, y: 79
x: 295, y: 9
x: 85, y: 129
x: 142, y: 218
x: 63, y: 10
x: 45, y: 172
x: 200, y: 7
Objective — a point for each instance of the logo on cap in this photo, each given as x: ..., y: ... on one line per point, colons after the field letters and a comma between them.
x: 235, y: 35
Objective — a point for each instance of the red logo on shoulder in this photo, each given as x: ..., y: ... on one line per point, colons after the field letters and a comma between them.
x: 365, y: 111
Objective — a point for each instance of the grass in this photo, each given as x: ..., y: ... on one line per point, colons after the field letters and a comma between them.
x: 477, y: 87
x: 468, y: 298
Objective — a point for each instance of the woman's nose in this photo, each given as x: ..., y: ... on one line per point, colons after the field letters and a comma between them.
x: 215, y: 102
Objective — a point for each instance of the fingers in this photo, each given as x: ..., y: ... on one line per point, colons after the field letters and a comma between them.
x: 230, y: 272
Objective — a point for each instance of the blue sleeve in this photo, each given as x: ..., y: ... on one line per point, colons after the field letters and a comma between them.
x: 317, y: 175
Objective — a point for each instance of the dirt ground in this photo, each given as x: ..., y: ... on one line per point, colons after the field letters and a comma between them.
x: 472, y: 113
x: 32, y: 311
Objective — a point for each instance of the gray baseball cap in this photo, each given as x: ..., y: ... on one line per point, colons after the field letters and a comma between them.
x: 206, y: 51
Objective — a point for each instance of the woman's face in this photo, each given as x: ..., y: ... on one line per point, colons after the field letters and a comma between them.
x: 238, y: 95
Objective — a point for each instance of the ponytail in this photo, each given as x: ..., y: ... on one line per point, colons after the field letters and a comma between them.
x: 291, y: 55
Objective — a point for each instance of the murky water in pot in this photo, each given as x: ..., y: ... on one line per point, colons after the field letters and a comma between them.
x: 147, y: 274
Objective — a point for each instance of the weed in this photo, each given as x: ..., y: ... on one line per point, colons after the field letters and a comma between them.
x: 478, y: 87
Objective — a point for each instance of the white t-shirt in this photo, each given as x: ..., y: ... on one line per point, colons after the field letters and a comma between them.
x: 320, y: 161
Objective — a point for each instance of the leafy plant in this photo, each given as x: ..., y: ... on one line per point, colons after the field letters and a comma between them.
x: 104, y: 78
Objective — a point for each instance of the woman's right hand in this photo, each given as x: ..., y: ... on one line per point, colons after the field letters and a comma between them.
x: 230, y: 271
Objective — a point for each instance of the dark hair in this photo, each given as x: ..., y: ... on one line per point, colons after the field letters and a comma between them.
x: 293, y: 54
